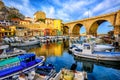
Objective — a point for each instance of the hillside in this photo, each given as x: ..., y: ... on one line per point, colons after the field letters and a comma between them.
x: 9, y: 12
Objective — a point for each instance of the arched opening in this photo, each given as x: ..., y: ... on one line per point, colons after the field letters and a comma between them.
x: 82, y: 31
x: 79, y: 30
x: 101, y: 27
x: 65, y: 30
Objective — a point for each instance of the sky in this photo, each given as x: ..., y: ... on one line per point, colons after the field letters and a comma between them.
x: 67, y: 10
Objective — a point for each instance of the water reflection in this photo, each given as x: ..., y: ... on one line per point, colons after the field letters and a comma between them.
x: 88, y: 67
x: 57, y: 54
x: 89, y: 62
x: 50, y: 49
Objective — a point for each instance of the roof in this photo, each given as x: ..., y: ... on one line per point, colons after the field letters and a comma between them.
x: 25, y: 20
x: 25, y: 56
x: 9, y: 61
x: 15, y: 19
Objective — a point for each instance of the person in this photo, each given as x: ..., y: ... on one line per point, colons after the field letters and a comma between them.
x: 116, y: 44
x: 22, y: 76
x: 74, y: 66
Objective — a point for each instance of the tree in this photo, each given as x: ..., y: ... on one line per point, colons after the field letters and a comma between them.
x: 42, y: 20
x: 12, y: 16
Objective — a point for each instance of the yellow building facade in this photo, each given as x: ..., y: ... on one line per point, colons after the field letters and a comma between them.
x: 58, y: 26
x: 43, y: 26
x: 39, y: 15
x: 7, y: 32
x: 24, y: 22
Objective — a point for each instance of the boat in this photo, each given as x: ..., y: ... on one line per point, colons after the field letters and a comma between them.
x: 66, y: 74
x: 89, y: 52
x: 3, y: 46
x: 29, y: 42
x: 5, y: 51
x: 97, y: 47
x: 45, y: 71
x: 71, y: 48
x: 15, y: 65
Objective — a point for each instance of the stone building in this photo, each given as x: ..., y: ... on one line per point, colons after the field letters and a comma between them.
x: 39, y: 15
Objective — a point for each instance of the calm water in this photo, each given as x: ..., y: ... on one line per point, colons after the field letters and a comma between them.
x: 57, y: 54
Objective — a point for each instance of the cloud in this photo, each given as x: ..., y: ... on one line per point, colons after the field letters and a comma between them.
x: 67, y: 10
x: 106, y: 6
x: 87, y: 14
x: 50, y: 11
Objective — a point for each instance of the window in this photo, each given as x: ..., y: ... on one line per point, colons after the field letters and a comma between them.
x: 33, y: 58
x: 28, y: 59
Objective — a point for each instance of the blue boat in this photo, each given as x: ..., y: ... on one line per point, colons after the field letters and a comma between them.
x: 15, y: 65
x: 45, y: 71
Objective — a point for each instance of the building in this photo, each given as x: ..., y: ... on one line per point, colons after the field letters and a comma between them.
x: 29, y: 19
x: 21, y: 31
x: 7, y: 31
x: 15, y: 21
x: 58, y: 26
x: 22, y: 22
x: 39, y: 15
x: 41, y: 26
x: 5, y: 22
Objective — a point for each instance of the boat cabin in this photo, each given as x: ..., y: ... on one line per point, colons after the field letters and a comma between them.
x: 27, y: 59
x: 9, y: 63
x: 87, y: 48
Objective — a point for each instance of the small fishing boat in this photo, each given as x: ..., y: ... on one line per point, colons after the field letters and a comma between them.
x: 45, y: 71
x: 5, y: 51
x: 3, y: 46
x: 66, y: 74
x: 29, y: 42
x: 15, y: 65
x: 97, y: 47
x: 88, y: 52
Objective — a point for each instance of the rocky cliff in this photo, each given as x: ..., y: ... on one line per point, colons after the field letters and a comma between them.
x: 9, y: 12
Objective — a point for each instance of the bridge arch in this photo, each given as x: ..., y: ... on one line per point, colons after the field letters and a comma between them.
x: 76, y: 29
x: 65, y: 30
x: 95, y: 25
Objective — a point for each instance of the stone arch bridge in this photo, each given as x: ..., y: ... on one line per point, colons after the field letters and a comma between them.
x: 91, y: 24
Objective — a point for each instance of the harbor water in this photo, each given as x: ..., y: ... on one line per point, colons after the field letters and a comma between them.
x: 58, y: 55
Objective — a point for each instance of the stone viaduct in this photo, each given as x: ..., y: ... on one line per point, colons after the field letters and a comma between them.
x: 91, y: 24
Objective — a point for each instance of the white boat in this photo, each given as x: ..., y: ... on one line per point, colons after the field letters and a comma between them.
x: 32, y: 41
x: 6, y: 52
x: 101, y: 47
x: 7, y: 40
x: 66, y: 74
x: 3, y: 46
x: 88, y: 52
x: 97, y: 47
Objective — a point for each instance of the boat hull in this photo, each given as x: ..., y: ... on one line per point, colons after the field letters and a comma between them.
x: 25, y: 43
x: 99, y: 57
x: 23, y: 67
